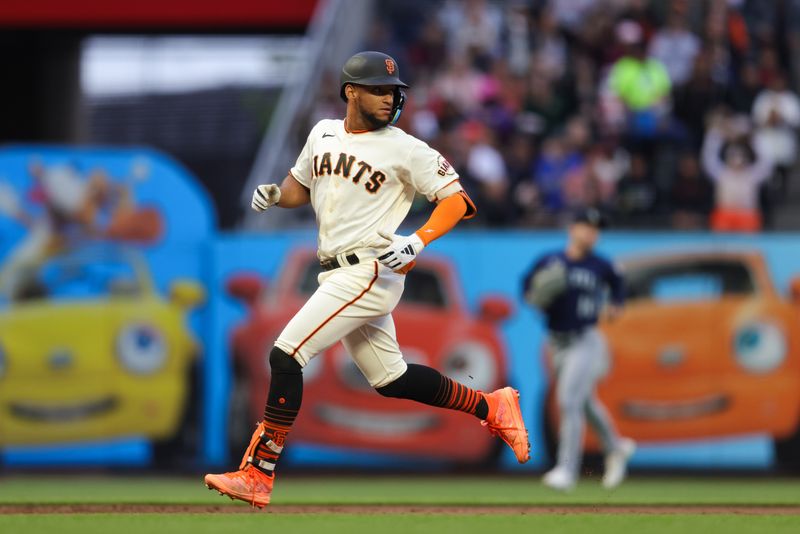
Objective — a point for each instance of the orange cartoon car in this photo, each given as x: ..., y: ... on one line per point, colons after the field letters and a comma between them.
x: 339, y: 407
x: 706, y: 348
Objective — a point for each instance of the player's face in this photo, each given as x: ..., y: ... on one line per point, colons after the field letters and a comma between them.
x: 584, y: 235
x: 374, y: 103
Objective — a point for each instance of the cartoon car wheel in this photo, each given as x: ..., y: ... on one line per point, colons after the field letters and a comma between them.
x: 787, y: 453
x: 181, y: 450
x: 240, y: 424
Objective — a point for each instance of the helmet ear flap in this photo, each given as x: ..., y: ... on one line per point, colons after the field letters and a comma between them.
x: 397, y: 107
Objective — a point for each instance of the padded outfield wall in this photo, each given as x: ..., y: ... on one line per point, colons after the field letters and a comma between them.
x: 704, y: 367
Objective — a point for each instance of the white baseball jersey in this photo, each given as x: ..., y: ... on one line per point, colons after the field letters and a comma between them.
x: 361, y: 183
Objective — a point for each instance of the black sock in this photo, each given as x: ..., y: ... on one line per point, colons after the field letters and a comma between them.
x: 283, y: 402
x: 428, y: 386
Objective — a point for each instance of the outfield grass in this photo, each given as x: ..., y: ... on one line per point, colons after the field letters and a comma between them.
x: 396, y: 491
x: 395, y: 524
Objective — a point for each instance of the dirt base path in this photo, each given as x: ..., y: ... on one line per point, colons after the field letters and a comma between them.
x: 390, y: 509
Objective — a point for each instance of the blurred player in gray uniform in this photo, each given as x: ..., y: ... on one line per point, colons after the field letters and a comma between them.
x: 572, y: 287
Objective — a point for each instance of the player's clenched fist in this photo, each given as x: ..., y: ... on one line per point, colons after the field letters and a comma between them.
x: 265, y: 196
x: 401, y: 252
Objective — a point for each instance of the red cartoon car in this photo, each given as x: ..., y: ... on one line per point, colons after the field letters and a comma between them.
x: 340, y: 409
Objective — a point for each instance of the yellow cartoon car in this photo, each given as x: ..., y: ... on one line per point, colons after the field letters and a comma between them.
x: 89, y: 351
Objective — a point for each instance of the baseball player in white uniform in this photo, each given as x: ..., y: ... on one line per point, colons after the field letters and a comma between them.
x: 360, y: 175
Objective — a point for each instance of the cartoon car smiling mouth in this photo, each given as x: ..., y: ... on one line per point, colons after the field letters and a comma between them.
x: 665, y: 411
x: 63, y: 413
x: 376, y: 424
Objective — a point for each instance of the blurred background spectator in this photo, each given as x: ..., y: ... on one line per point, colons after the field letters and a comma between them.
x: 737, y: 170
x: 676, y: 47
x: 608, y: 103
x: 776, y: 114
x: 691, y: 195
x: 541, y: 105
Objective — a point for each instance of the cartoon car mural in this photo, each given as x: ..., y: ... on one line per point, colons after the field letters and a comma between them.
x: 339, y: 407
x: 705, y: 348
x: 90, y: 350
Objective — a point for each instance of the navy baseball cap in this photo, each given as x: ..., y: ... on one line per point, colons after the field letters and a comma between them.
x: 591, y: 216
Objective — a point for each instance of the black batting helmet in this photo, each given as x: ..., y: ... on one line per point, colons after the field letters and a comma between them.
x: 374, y: 68
x: 370, y: 68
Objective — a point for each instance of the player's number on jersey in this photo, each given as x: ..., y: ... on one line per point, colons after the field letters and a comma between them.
x: 587, y: 307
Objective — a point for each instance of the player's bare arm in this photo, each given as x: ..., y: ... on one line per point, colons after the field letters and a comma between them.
x: 290, y: 194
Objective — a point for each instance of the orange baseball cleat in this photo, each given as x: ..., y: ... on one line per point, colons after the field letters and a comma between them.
x: 250, y: 483
x: 505, y: 421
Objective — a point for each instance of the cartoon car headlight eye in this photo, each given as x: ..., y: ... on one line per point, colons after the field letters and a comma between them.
x: 472, y: 364
x: 141, y: 349
x: 760, y: 347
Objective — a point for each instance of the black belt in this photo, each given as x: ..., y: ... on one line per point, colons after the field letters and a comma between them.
x: 333, y: 263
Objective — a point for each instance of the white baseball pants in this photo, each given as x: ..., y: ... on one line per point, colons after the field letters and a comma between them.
x: 352, y: 304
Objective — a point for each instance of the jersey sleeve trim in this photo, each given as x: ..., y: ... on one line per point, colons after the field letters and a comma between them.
x: 471, y: 209
x: 298, y: 181
x: 450, y: 189
x: 455, y: 188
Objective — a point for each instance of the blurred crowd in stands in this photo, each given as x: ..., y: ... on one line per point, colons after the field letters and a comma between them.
x: 665, y: 113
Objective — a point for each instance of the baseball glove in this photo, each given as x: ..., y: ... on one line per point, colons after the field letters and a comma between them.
x: 547, y: 285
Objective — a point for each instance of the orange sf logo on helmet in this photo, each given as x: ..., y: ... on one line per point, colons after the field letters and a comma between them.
x: 390, y: 66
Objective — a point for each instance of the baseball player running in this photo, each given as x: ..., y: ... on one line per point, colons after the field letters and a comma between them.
x: 360, y: 175
x: 570, y: 287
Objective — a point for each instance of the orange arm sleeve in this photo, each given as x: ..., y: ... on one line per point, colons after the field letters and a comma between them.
x: 445, y: 216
